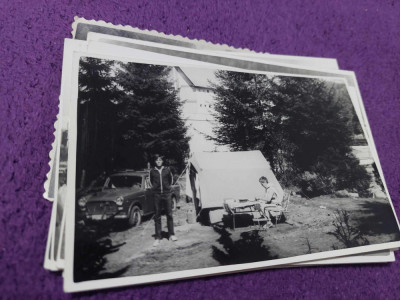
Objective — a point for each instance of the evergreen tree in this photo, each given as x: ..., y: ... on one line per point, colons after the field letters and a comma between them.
x: 301, y: 125
x: 241, y: 107
x: 150, y: 119
x: 96, y: 116
x: 312, y: 119
x: 127, y: 112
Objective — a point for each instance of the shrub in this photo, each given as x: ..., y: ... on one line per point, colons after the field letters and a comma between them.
x: 347, y: 234
x: 334, y: 172
x: 342, y: 194
x: 313, y: 184
x: 377, y: 176
x: 353, y: 177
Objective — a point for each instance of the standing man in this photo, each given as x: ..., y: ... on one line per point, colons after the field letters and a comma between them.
x: 161, y: 181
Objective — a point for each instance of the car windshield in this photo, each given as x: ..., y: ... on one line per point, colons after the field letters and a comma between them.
x: 124, y: 181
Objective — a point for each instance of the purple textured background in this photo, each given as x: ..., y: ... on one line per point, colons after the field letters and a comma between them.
x: 364, y: 37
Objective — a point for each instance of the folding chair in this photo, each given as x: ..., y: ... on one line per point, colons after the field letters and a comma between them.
x: 262, y: 218
x: 283, y: 209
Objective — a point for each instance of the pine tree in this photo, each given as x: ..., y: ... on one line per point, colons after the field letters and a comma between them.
x: 96, y: 116
x: 240, y: 109
x: 300, y: 125
x: 127, y: 112
x: 150, y: 119
x: 314, y: 120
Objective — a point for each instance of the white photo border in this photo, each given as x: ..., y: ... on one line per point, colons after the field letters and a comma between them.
x: 71, y: 286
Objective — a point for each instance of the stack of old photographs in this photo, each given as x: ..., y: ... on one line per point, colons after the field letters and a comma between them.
x: 176, y: 158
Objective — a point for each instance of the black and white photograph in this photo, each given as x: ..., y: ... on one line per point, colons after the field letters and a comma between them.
x: 59, y: 235
x: 161, y: 149
x: 60, y: 163
x: 183, y: 168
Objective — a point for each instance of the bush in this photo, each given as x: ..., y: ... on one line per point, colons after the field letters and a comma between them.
x: 353, y: 177
x: 349, y: 235
x: 342, y: 194
x: 332, y: 173
x: 377, y: 176
x: 313, y: 184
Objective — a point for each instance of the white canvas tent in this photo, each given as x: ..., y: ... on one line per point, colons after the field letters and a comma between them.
x: 216, y: 176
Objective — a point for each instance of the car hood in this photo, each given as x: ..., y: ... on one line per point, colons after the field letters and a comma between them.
x: 111, y: 194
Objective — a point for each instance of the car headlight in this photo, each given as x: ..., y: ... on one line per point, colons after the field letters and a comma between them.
x: 82, y: 202
x: 119, y: 200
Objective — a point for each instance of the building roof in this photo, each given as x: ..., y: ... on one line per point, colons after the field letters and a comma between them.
x: 198, y: 77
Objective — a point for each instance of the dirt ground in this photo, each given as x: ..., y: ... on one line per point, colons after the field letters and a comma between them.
x: 308, y: 227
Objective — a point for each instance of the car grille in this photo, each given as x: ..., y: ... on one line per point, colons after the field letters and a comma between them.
x: 103, y: 207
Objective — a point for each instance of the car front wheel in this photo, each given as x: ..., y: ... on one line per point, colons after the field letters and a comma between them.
x: 135, y: 218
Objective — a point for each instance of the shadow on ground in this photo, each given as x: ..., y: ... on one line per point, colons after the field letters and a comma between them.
x: 379, y: 219
x: 91, y: 246
x: 242, y: 220
x: 249, y: 248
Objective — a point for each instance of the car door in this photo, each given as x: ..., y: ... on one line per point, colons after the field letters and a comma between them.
x: 149, y: 195
x: 138, y: 192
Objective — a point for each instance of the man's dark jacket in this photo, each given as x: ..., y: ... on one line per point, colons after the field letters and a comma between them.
x: 161, y: 179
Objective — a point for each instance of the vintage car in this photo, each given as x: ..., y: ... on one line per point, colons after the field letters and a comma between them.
x: 124, y: 195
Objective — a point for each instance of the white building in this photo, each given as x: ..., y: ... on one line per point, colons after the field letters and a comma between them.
x: 197, y: 95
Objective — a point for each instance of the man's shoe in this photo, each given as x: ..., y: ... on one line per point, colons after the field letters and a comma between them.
x: 173, y: 238
x: 156, y: 243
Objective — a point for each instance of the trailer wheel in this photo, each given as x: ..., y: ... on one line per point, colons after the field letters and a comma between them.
x: 173, y: 203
